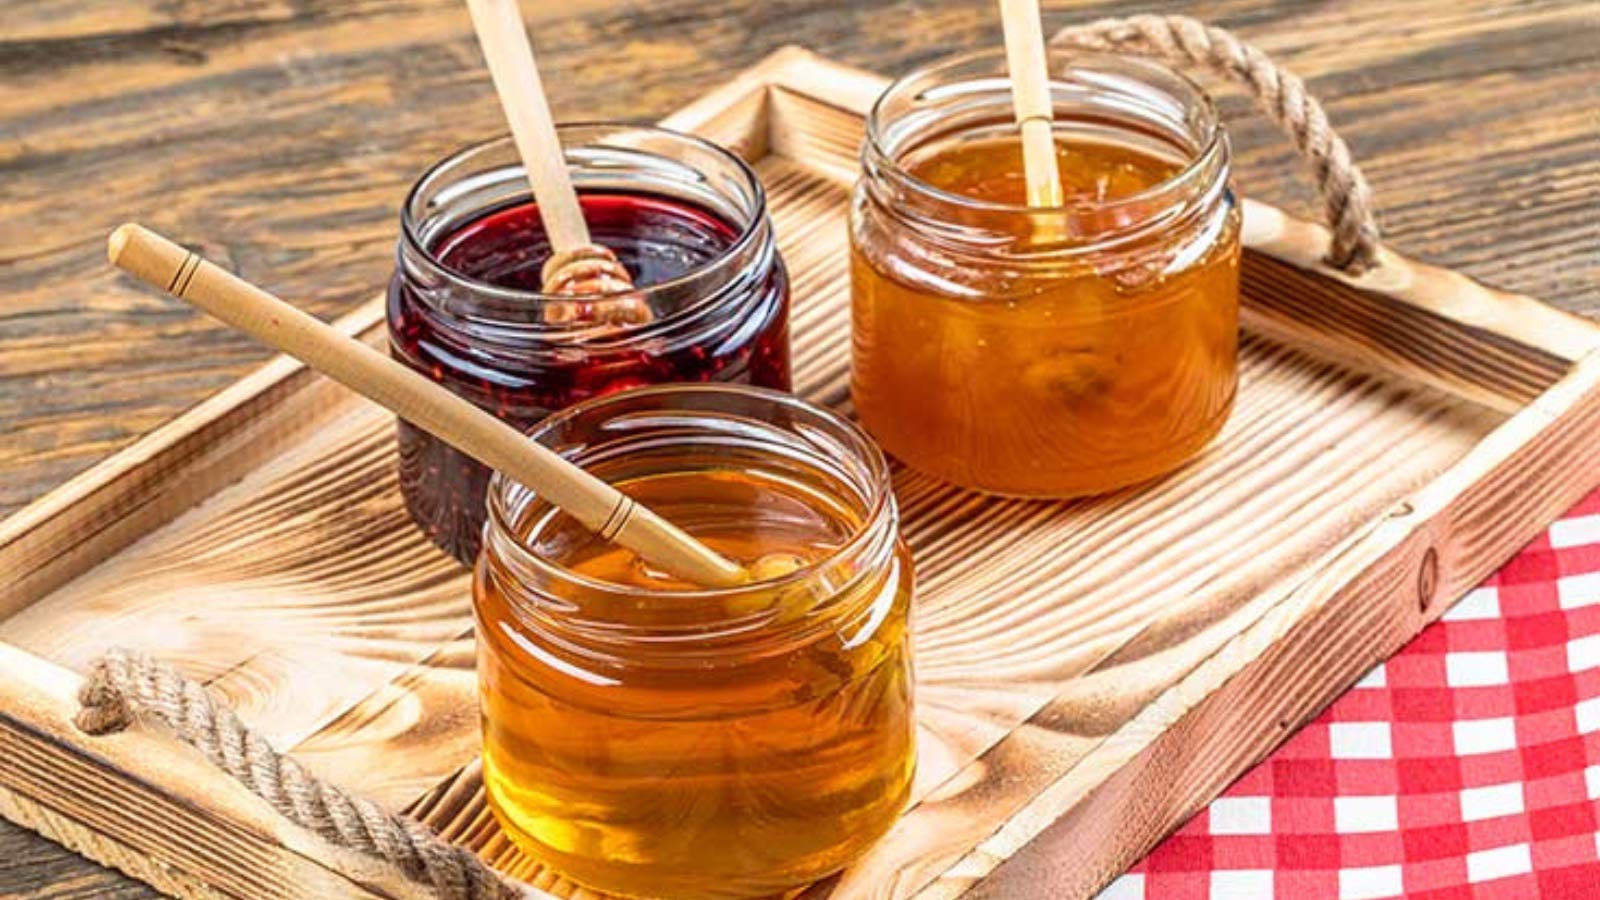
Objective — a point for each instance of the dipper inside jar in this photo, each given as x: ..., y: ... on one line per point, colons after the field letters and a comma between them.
x: 656, y: 239
x: 647, y: 738
x: 1062, y: 352
x: 488, y: 335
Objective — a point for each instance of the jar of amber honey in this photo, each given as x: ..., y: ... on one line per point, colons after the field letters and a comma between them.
x: 650, y: 738
x: 1045, y: 352
x: 687, y: 219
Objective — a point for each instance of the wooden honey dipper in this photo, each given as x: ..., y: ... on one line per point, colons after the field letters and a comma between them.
x: 601, y: 508
x: 1030, y: 100
x: 577, y: 267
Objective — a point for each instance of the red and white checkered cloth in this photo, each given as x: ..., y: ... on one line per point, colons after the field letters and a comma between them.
x: 1467, y: 767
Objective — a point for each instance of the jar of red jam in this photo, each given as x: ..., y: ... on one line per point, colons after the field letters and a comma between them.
x: 687, y: 218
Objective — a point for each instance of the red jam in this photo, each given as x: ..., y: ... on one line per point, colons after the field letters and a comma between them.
x: 523, y: 370
x: 655, y: 238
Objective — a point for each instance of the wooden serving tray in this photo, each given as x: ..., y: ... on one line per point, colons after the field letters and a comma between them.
x: 1090, y: 673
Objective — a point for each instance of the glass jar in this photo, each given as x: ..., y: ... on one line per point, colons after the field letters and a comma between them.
x: 647, y: 737
x: 686, y: 217
x: 1045, y: 352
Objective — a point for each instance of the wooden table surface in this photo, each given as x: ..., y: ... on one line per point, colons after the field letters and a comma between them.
x: 281, y: 136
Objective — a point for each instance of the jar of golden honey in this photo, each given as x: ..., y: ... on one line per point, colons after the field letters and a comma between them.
x: 648, y: 737
x: 1045, y: 352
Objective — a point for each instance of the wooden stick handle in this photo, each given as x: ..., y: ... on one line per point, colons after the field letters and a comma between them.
x: 600, y: 507
x: 1030, y: 99
x: 506, y: 49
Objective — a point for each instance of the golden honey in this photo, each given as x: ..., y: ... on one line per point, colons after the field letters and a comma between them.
x: 646, y: 737
x: 1045, y: 352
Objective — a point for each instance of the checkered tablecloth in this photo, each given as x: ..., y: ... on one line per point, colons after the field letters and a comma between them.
x: 1468, y: 766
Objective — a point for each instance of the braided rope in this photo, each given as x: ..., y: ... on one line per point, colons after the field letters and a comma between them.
x: 1280, y: 94
x: 122, y: 685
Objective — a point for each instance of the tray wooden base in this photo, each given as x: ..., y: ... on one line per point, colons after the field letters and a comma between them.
x: 1090, y: 673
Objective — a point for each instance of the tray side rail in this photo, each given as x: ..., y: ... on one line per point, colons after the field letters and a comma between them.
x: 1354, y: 611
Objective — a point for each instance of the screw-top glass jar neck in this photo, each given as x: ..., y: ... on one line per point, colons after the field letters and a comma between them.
x: 1097, y: 98
x: 602, y: 158
x: 679, y: 428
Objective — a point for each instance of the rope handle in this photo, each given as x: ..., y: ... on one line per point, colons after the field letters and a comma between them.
x: 123, y: 685
x: 1187, y: 42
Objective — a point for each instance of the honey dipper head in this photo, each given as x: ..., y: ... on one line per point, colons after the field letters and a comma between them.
x: 592, y: 271
x: 775, y: 565
x: 587, y: 271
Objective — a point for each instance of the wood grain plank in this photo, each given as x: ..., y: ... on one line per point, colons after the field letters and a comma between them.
x: 164, y: 473
x: 35, y: 867
x: 201, y: 593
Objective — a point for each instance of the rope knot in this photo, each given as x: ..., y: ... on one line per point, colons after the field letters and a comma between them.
x: 105, y: 707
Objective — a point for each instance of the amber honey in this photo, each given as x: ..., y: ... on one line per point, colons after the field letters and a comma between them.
x: 1044, y: 353
x: 649, y: 738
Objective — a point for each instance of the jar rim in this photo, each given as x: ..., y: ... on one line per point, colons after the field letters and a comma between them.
x: 577, y: 136
x: 1211, y: 145
x: 877, y: 488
